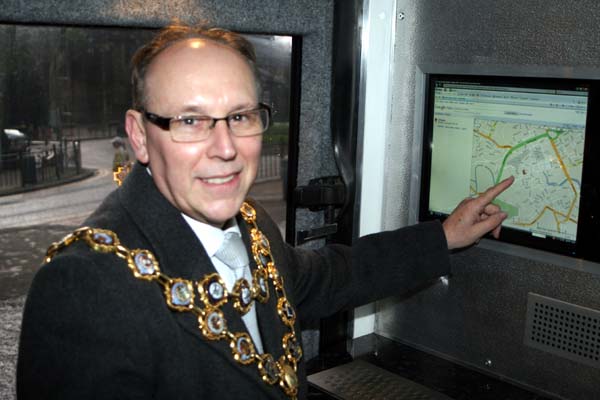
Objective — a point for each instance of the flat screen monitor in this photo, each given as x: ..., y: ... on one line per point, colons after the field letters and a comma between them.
x: 482, y: 129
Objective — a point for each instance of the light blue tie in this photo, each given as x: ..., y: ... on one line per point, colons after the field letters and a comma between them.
x: 233, y: 253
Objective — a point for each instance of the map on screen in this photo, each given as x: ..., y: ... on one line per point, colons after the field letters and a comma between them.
x: 548, y: 163
x: 483, y: 134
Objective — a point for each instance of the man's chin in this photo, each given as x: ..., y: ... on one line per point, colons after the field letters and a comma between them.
x: 218, y: 216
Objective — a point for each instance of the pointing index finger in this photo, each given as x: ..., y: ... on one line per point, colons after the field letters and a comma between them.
x: 494, y: 191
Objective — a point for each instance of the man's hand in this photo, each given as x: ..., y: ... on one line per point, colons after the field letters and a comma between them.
x: 474, y: 217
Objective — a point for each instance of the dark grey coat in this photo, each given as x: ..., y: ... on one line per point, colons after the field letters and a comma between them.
x: 92, y: 330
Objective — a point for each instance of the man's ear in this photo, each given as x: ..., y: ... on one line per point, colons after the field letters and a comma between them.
x: 137, y: 135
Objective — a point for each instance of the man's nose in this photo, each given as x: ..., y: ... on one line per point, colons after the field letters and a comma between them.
x: 222, y: 144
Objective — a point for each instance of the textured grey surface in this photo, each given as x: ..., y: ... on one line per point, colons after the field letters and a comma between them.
x: 10, y: 326
x: 480, y: 315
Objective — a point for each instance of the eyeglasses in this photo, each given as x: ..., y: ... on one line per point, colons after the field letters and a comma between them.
x: 196, y: 128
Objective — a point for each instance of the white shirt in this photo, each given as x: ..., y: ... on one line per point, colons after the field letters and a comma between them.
x: 212, y: 239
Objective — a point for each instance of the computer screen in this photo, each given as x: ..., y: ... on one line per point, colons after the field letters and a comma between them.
x: 480, y: 130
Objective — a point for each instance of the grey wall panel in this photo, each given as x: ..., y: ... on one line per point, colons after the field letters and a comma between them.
x: 478, y: 318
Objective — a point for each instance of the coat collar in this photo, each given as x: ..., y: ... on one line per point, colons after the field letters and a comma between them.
x: 172, y: 240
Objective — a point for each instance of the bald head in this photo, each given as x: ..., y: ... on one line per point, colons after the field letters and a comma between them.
x: 175, y: 33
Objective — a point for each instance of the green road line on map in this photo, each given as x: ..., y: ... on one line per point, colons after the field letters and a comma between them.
x: 558, y: 133
x: 517, y: 146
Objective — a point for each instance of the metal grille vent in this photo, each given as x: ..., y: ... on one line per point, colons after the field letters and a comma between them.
x: 563, y: 329
x: 361, y: 380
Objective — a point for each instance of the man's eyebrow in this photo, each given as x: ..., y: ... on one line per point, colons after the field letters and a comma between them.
x: 243, y: 107
x: 199, y: 110
x: 192, y: 109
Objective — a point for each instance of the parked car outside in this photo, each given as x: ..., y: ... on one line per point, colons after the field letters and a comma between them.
x: 13, y: 141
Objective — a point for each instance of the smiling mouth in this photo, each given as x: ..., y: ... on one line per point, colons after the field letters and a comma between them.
x: 220, y: 180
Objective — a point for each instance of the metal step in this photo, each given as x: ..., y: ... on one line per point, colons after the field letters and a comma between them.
x: 361, y: 380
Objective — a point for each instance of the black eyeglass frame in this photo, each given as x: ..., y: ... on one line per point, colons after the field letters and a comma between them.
x: 164, y: 123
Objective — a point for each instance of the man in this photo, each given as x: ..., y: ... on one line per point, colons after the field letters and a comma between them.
x: 145, y: 305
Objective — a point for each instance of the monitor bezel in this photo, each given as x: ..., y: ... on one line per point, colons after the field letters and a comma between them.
x: 588, y: 224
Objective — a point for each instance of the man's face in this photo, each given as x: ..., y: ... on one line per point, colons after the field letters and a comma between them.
x: 206, y: 180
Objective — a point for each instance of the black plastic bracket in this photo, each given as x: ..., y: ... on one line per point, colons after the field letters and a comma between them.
x: 321, y: 194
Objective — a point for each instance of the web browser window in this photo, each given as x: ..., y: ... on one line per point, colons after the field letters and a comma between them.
x: 483, y: 134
